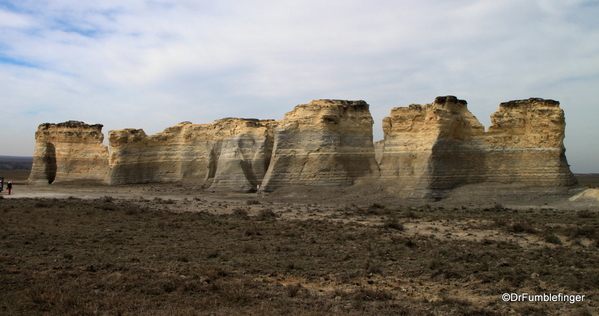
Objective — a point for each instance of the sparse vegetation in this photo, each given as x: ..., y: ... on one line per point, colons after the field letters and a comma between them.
x: 108, y: 256
x: 586, y: 214
x: 252, y: 202
x: 392, y: 223
x: 241, y: 213
x: 552, y: 238
x: 266, y: 214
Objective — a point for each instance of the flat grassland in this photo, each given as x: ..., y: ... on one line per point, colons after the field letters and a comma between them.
x: 17, y: 176
x: 14, y: 168
x: 258, y: 256
x: 590, y: 180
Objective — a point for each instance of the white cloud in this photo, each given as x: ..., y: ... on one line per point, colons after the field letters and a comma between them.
x: 152, y: 64
x: 13, y: 20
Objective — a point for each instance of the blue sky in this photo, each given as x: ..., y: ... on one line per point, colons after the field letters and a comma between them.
x: 153, y: 64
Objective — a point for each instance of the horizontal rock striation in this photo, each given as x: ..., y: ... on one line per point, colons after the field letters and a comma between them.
x: 427, y: 152
x: 69, y: 152
x: 229, y: 153
x: 525, y: 144
x: 324, y: 142
x: 431, y: 149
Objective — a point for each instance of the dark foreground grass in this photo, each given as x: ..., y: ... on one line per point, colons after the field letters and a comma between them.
x: 112, y: 257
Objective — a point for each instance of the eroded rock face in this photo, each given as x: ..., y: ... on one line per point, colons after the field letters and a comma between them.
x: 324, y: 142
x: 243, y: 161
x: 69, y: 152
x: 525, y: 144
x: 229, y: 153
x: 430, y: 149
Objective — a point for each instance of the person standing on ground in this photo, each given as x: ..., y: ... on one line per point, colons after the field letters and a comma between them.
x: 9, y: 187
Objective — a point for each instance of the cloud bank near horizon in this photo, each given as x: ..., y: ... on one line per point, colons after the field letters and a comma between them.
x: 152, y: 64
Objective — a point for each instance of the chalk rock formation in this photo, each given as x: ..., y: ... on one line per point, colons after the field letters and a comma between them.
x: 229, y: 153
x: 430, y: 149
x: 244, y: 160
x: 525, y: 144
x: 69, y: 152
x: 324, y: 142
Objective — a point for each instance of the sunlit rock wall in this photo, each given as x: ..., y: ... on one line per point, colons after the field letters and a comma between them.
x: 430, y: 149
x: 229, y: 153
x: 524, y: 144
x: 69, y: 152
x: 324, y: 142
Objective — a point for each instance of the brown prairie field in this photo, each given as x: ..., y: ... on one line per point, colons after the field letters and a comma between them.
x: 204, y: 253
x: 590, y: 180
x: 18, y: 176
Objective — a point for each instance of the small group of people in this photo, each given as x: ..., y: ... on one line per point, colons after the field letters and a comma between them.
x: 8, y: 187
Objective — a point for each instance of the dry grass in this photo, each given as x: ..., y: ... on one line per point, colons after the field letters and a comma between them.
x: 115, y: 257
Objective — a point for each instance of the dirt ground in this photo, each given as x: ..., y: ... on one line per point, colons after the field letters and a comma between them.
x: 179, y: 250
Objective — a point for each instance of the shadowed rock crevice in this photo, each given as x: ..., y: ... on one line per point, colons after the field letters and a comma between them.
x: 49, y: 160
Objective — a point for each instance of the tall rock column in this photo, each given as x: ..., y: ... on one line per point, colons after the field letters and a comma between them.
x: 430, y: 148
x: 69, y: 152
x: 525, y: 144
x: 324, y: 142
